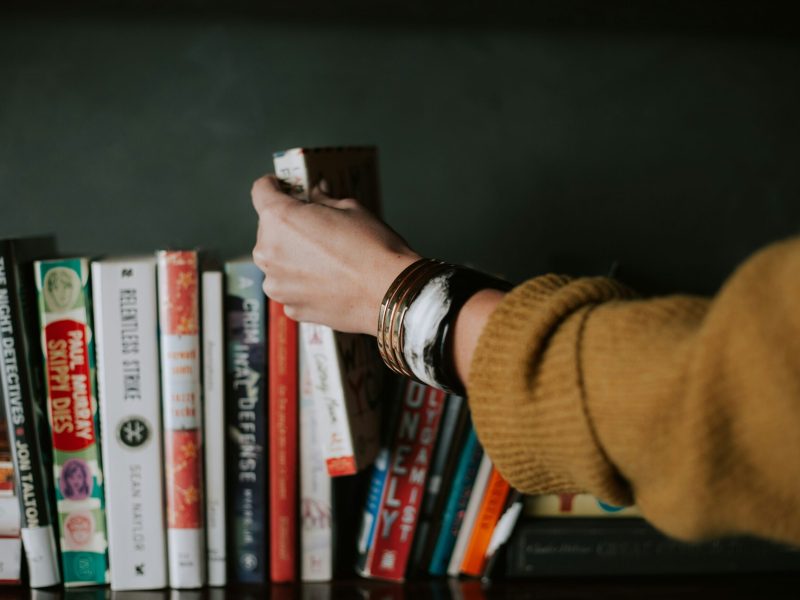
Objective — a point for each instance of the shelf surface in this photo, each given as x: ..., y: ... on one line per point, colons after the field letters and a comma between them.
x: 617, y: 588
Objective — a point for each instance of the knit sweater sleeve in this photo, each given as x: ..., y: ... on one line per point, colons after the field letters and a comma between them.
x: 688, y: 407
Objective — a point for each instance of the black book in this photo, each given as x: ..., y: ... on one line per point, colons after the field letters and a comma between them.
x: 448, y: 449
x: 24, y: 396
x: 545, y: 547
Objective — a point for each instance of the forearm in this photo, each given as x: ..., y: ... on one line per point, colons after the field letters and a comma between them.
x: 470, y: 322
x: 684, y: 405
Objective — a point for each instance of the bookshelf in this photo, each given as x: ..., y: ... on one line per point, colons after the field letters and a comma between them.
x: 658, y: 142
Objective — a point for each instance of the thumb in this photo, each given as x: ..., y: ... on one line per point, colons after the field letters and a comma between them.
x: 268, y: 192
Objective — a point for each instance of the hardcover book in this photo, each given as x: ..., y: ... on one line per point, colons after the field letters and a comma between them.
x: 65, y: 316
x: 409, y: 461
x: 346, y: 369
x: 316, y: 518
x: 24, y: 400
x: 178, y: 297
x: 246, y: 312
x: 213, y: 334
x: 213, y: 339
x: 460, y: 492
x: 448, y: 446
x: 470, y: 515
x: 10, y: 543
x: 492, y: 506
x: 283, y: 480
x: 557, y: 547
x: 126, y: 336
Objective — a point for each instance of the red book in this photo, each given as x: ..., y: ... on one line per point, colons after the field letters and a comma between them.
x: 409, y: 463
x: 283, y: 478
x: 179, y: 325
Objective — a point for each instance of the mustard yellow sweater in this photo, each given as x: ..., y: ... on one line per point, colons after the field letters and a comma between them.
x: 687, y: 406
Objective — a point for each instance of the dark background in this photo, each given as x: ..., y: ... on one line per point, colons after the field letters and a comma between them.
x: 520, y: 137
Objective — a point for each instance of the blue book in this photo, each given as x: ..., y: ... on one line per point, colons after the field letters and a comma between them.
x: 380, y: 471
x: 247, y: 421
x: 463, y: 481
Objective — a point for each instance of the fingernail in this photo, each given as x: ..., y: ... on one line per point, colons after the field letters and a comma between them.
x: 323, y: 186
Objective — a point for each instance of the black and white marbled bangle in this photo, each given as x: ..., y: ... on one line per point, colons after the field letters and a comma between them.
x: 428, y: 324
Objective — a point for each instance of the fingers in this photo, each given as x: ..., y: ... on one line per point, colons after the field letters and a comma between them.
x: 266, y: 193
x: 319, y: 195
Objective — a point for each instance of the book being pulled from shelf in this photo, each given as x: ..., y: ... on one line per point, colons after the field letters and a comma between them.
x: 346, y: 371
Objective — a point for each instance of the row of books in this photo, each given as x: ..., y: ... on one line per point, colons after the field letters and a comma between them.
x: 139, y: 320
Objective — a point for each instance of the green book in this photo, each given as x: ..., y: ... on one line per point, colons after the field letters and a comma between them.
x: 64, y: 300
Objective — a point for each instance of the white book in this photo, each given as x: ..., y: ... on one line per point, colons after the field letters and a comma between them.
x: 181, y: 410
x: 126, y: 330
x: 10, y: 542
x: 346, y: 370
x: 316, y: 531
x: 470, y: 515
x: 214, y: 426
x: 346, y: 383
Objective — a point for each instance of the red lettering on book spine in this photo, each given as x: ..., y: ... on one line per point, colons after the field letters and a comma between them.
x: 411, y: 455
x: 69, y: 385
x: 283, y: 443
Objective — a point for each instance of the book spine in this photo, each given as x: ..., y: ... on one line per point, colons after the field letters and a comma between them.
x: 68, y: 349
x: 470, y: 514
x: 369, y: 520
x: 408, y: 467
x: 126, y: 334
x: 22, y: 404
x: 494, y: 501
x: 316, y: 533
x: 283, y: 444
x: 590, y: 547
x: 247, y: 420
x: 10, y: 542
x: 213, y: 340
x: 447, y: 444
x: 457, y: 501
x: 181, y: 409
x: 319, y: 345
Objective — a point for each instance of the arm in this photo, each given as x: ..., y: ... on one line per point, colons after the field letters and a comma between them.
x: 689, y: 406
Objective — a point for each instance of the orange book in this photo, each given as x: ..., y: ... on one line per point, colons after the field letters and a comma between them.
x: 494, y: 502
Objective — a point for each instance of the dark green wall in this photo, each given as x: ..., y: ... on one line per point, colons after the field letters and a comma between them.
x: 524, y: 149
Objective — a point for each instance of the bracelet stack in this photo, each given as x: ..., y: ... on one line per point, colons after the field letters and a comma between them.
x: 417, y: 317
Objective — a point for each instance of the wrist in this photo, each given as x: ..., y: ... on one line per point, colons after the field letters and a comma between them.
x: 417, y: 320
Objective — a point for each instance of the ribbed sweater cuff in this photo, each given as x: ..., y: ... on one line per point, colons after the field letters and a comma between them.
x: 526, y: 394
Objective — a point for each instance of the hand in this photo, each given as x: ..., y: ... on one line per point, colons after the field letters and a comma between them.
x: 327, y: 261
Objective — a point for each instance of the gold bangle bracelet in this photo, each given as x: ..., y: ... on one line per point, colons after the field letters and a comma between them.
x: 413, y: 289
x: 387, y: 308
x: 395, y: 306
